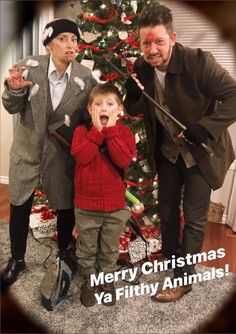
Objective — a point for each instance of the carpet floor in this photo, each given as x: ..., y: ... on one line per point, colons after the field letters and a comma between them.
x: 134, y: 315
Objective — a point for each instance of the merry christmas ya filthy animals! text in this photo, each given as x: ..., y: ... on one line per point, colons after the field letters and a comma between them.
x: 129, y: 291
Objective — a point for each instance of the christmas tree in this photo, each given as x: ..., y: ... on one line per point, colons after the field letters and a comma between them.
x: 109, y: 30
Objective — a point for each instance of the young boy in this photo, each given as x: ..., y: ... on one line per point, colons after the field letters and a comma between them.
x: 103, y: 151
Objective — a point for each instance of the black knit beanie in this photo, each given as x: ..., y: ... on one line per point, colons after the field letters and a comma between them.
x: 56, y: 27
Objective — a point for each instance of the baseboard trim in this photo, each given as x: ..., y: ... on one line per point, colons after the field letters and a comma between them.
x: 233, y: 165
x: 224, y: 219
x: 4, y: 179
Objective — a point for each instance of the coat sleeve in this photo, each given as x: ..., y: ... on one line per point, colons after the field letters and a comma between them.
x: 132, y: 106
x: 85, y: 144
x: 218, y: 84
x: 12, y: 102
x: 121, y: 145
x: 15, y: 102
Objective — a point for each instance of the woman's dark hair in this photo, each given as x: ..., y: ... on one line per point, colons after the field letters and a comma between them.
x: 155, y: 14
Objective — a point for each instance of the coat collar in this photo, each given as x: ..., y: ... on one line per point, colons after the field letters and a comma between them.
x: 69, y: 100
x: 176, y: 60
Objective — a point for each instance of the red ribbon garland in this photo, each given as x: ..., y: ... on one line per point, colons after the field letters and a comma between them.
x: 129, y: 17
x: 94, y: 18
x: 110, y: 77
x: 81, y: 47
x: 39, y: 193
x: 128, y: 40
x: 139, y: 116
x: 141, y: 184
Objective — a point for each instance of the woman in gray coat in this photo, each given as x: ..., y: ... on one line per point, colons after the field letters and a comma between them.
x: 44, y: 91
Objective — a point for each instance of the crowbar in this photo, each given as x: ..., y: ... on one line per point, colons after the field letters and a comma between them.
x: 163, y: 110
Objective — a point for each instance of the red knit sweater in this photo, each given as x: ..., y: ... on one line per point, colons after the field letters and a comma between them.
x: 98, y: 185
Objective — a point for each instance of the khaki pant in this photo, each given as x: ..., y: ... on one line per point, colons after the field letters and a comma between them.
x: 98, y: 241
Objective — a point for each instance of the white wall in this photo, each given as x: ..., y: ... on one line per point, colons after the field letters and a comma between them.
x: 224, y: 194
x: 6, y: 122
x: 9, y: 52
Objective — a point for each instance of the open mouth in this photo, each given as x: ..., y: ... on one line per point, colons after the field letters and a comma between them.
x: 103, y: 119
x: 153, y: 57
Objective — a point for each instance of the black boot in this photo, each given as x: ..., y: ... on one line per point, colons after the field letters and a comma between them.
x: 13, y: 268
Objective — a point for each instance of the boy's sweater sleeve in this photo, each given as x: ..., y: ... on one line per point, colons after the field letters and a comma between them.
x: 121, y: 145
x: 85, y: 144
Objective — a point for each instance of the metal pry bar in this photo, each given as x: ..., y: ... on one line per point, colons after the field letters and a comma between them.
x: 176, y: 121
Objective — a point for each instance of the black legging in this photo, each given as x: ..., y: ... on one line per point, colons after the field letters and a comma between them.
x: 65, y: 226
x: 19, y: 227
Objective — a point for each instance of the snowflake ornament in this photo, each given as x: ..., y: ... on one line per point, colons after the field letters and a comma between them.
x: 122, y: 17
x: 97, y: 74
x: 90, y: 37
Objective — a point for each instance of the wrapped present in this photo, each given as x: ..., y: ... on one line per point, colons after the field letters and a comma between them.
x: 54, y: 236
x: 39, y: 208
x: 128, y: 231
x: 154, y: 245
x: 150, y: 231
x: 138, y: 250
x: 124, y: 243
x: 43, y: 222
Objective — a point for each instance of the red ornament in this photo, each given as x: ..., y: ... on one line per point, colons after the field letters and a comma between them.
x: 129, y: 66
x: 143, y: 192
x: 39, y: 193
x: 110, y: 77
x: 124, y: 242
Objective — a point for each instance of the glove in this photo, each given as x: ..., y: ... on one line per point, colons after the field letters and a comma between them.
x: 196, y: 134
x: 133, y: 90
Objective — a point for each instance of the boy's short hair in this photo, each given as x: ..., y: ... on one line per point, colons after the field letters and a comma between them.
x: 155, y: 14
x: 104, y: 89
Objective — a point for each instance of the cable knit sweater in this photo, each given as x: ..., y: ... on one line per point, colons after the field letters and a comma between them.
x: 98, y: 185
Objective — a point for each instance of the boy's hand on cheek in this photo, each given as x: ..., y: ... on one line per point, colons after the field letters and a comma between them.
x: 112, y: 118
x: 96, y: 119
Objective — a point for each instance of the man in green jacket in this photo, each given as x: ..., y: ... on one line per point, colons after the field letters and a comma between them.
x: 196, y: 90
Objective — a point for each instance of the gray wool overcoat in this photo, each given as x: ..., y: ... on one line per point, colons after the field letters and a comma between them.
x: 35, y: 154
